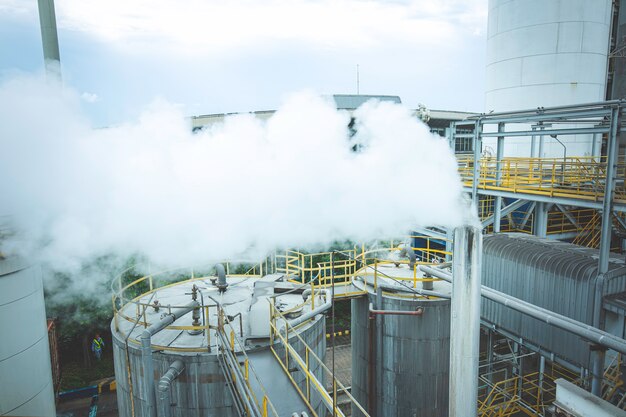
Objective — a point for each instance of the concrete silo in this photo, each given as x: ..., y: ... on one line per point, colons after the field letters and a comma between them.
x: 25, y: 372
x: 543, y: 53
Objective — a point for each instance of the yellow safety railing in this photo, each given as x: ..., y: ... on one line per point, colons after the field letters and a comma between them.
x: 571, y: 177
x: 283, y: 337
x: 240, y: 372
x: 130, y: 294
x: 339, y: 268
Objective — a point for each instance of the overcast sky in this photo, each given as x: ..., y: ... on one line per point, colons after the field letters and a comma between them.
x: 214, y: 56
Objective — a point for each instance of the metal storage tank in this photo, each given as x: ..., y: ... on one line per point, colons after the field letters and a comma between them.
x: 555, y: 275
x: 199, y: 385
x: 25, y: 371
x: 400, y: 363
x: 546, y: 53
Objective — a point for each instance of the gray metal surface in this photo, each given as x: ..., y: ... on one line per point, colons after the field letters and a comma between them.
x: 411, y: 357
x: 25, y: 370
x: 200, y: 389
x: 555, y: 275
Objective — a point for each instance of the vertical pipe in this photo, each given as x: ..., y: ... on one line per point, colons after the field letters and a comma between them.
x: 609, y: 187
x: 148, y: 373
x: 465, y: 322
x: 49, y: 38
x: 497, y: 215
x: 605, y: 245
x: 542, y: 369
x: 164, y: 387
x: 533, y: 144
x: 450, y: 131
x: 490, y: 355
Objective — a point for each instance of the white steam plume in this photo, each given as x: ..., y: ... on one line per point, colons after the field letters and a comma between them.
x: 246, y: 186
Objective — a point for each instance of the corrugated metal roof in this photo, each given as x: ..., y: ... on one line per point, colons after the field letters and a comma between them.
x: 353, y: 101
x: 555, y: 275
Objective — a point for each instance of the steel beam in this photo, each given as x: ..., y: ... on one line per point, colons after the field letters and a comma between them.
x: 503, y: 212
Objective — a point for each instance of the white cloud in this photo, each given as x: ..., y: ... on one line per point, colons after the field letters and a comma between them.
x: 89, y: 97
x: 200, y: 25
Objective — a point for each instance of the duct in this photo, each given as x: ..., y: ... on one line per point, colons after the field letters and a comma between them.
x: 583, y: 330
x: 146, y: 354
x: 221, y: 277
x: 319, y: 310
x: 465, y: 322
x: 164, y: 387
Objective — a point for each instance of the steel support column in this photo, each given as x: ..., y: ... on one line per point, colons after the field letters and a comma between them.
x: 540, y: 226
x: 477, y: 143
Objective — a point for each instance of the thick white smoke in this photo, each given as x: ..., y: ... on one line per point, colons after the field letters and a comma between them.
x: 242, y: 187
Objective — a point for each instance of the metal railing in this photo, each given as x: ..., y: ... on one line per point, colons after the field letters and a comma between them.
x: 239, y: 373
x: 571, y: 177
x: 289, y: 358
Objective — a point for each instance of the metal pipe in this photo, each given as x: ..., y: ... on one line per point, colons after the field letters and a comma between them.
x: 146, y: 354
x: 164, y: 387
x: 417, y: 312
x: 49, y: 38
x: 583, y: 330
x: 410, y: 290
x: 328, y: 299
x: 465, y: 322
x: 221, y: 277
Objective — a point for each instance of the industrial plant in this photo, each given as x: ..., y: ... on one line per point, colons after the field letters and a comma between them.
x: 519, y: 312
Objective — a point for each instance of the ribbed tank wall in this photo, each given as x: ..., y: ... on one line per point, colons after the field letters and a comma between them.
x: 546, y: 53
x: 25, y: 370
x: 410, y: 357
x: 200, y: 390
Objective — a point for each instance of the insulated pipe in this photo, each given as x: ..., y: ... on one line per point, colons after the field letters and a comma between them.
x: 465, y: 322
x: 417, y: 312
x: 164, y: 387
x: 583, y: 330
x: 319, y: 310
x: 146, y: 354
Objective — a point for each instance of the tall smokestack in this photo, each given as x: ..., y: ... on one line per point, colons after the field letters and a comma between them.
x: 465, y: 321
x: 49, y: 38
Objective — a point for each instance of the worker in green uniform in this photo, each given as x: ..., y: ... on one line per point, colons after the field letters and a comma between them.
x: 97, y: 345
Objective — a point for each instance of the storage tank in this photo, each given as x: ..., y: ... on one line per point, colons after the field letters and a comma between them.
x: 544, y: 53
x: 25, y: 371
x: 400, y: 363
x: 194, y: 363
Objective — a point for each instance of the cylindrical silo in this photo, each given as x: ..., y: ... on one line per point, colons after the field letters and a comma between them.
x: 544, y: 53
x: 200, y: 384
x: 400, y: 363
x: 25, y: 371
